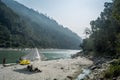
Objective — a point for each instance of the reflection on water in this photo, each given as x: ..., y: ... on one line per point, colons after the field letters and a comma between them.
x: 57, y: 53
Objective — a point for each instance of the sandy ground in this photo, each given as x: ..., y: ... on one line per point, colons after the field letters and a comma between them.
x: 61, y: 69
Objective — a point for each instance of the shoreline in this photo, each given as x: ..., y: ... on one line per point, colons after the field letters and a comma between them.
x: 62, y: 69
x: 20, y: 49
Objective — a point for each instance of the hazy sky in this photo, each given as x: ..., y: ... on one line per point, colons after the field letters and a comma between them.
x: 74, y: 14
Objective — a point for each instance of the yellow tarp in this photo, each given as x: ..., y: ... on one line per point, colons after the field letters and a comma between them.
x: 24, y: 62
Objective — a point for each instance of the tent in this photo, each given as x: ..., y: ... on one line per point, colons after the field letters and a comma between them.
x: 32, y: 55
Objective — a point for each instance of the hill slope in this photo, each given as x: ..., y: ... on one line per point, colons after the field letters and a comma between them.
x: 12, y: 31
x: 43, y: 31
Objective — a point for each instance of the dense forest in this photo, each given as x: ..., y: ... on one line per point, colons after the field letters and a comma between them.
x: 102, y: 43
x: 24, y: 27
x: 13, y: 30
x: 104, y: 39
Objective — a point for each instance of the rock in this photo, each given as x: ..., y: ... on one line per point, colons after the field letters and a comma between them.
x: 114, y: 78
x: 93, y: 67
x: 99, y: 66
x: 118, y: 78
x: 101, y: 79
x: 113, y: 62
x: 61, y: 68
x: 70, y: 77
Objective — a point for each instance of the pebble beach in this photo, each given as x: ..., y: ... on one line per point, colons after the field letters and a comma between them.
x: 62, y: 69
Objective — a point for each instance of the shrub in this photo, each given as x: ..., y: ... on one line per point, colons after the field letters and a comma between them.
x: 113, y: 70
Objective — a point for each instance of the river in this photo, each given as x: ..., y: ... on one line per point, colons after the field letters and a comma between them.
x: 51, y: 54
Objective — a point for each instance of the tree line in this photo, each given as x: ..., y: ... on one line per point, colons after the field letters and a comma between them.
x: 104, y: 39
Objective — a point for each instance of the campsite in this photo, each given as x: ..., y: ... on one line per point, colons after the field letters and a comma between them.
x: 58, y: 69
x: 59, y: 39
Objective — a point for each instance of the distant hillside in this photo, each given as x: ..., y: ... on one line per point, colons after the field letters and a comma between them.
x: 38, y: 29
x: 13, y: 30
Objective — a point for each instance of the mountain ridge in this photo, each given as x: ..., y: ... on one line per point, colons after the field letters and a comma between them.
x: 45, y: 32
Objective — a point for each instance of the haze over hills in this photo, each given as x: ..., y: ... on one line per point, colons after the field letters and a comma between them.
x: 36, y: 29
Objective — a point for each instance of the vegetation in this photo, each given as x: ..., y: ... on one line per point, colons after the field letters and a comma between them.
x: 24, y: 27
x: 12, y: 31
x: 113, y: 71
x: 104, y: 39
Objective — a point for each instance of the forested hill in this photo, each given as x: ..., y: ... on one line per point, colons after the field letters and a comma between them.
x: 105, y: 32
x: 24, y: 27
x: 13, y: 30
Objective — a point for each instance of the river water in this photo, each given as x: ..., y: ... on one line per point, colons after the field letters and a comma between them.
x: 84, y: 73
x: 51, y: 54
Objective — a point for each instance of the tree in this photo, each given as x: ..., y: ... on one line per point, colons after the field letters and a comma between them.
x: 116, y: 10
x: 105, y: 31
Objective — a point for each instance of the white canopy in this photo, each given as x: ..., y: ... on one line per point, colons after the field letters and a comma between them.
x: 33, y: 55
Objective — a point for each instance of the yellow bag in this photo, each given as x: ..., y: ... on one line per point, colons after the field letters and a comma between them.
x: 24, y: 62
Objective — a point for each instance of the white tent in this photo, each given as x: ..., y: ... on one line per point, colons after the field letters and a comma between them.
x: 32, y: 55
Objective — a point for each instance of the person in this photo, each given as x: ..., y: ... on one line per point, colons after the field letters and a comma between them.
x: 18, y: 61
x: 32, y: 69
x: 4, y: 61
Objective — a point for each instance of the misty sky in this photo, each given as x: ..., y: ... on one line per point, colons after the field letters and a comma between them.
x: 74, y: 14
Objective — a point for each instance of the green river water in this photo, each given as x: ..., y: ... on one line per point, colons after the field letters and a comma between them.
x: 51, y: 54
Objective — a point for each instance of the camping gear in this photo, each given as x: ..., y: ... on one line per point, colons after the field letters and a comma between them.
x: 32, y: 56
x: 24, y: 62
x: 33, y: 69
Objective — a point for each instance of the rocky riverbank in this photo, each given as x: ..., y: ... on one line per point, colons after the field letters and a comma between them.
x: 103, y: 68
x: 100, y: 68
x: 62, y: 69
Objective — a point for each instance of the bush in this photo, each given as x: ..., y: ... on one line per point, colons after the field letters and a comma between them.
x: 113, y: 70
